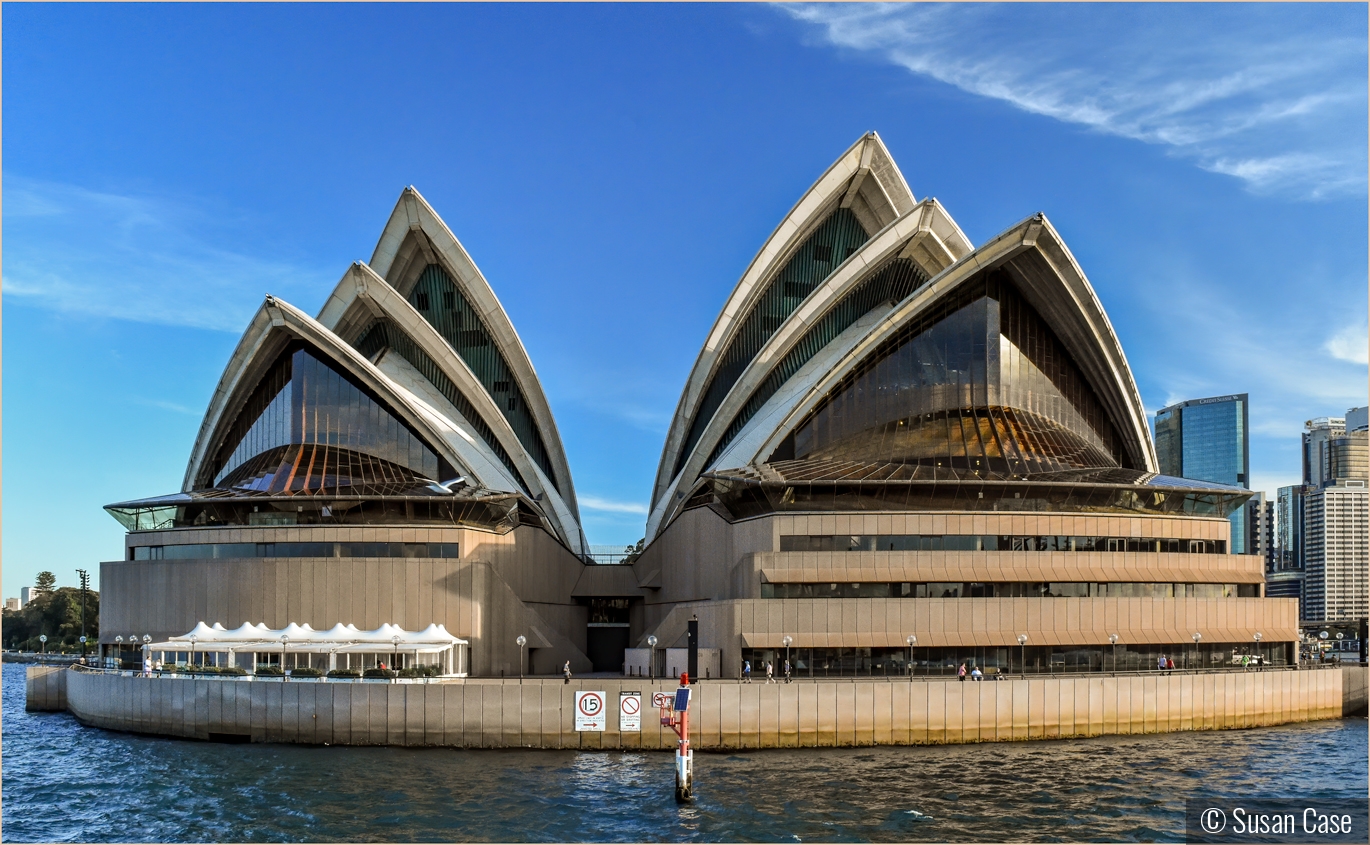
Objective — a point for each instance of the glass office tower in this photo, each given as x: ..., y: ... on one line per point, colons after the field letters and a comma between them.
x: 1208, y: 440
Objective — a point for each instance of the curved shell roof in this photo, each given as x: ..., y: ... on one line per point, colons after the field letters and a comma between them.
x: 899, y: 275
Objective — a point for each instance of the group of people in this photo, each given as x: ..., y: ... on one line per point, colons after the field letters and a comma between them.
x: 974, y: 673
x: 1165, y: 664
x: 770, y: 671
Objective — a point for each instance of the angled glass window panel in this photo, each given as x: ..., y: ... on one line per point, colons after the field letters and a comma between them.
x: 892, y: 283
x: 463, y: 328
x: 978, y: 383
x: 782, y: 295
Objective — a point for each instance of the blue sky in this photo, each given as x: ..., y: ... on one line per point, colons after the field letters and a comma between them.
x: 612, y: 170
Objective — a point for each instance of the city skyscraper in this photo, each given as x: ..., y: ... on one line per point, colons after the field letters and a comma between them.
x: 1336, y: 517
x: 1208, y: 440
x: 1285, y: 580
x: 1260, y: 529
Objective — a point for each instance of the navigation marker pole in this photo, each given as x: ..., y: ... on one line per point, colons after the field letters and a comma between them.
x: 675, y: 714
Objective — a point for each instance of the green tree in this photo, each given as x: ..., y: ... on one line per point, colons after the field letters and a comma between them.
x: 46, y: 582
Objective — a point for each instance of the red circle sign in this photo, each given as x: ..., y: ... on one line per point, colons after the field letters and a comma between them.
x: 631, y: 705
x: 661, y: 699
x: 591, y: 704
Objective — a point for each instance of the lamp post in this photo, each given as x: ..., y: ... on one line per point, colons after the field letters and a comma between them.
x: 43, y: 643
x: 785, y: 641
x: 191, y: 664
x: 522, y: 641
x: 285, y: 642
x: 651, y: 657
x: 911, y: 640
x: 83, y: 648
x: 147, y: 643
x: 1113, y: 641
x: 1022, y: 650
x: 1257, y: 638
x: 395, y: 642
x: 1197, y: 637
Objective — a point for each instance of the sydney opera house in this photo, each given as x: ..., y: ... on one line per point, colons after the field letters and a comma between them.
x: 897, y: 451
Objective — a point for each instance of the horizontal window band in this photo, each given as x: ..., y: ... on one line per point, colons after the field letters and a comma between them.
x: 994, y: 543
x: 208, y: 551
x: 1011, y: 589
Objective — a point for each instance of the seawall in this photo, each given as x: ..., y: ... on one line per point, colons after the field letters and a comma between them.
x: 481, y: 713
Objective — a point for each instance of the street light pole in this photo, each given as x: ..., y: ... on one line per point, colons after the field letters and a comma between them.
x: 285, y: 673
x: 43, y: 641
x: 1113, y: 639
x: 651, y: 657
x: 191, y: 666
x: 85, y: 584
x: 1258, y: 651
x: 911, y: 640
x: 1022, y: 646
x: 1197, y: 637
x: 786, y: 643
x: 522, y: 641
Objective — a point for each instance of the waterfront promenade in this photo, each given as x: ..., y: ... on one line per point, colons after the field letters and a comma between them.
x: 538, y: 712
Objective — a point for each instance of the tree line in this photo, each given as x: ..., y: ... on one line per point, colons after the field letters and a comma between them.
x: 55, y: 611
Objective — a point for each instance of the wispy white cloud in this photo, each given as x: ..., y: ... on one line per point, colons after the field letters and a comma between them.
x: 595, y: 503
x: 1351, y: 344
x: 166, y: 405
x: 135, y: 257
x: 1274, y: 95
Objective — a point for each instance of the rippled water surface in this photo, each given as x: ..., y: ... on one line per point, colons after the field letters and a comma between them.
x: 65, y: 782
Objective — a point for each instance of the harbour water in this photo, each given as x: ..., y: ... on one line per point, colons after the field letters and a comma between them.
x: 67, y: 783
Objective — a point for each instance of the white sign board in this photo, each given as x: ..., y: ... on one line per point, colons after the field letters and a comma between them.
x: 661, y: 699
x: 630, y: 711
x: 590, y: 711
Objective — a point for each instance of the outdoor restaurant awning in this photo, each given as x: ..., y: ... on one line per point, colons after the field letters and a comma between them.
x: 342, y: 639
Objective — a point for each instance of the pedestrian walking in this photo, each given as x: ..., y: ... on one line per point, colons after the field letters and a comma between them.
x: 787, y: 670
x: 961, y: 673
x: 566, y: 670
x: 746, y: 671
x: 770, y: 672
x: 1160, y: 663
x: 1169, y: 665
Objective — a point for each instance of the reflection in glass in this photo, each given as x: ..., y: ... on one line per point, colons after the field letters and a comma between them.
x: 304, y: 402
x: 979, y: 383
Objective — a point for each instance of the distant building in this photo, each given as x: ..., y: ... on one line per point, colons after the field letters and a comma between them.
x: 1358, y: 419
x: 26, y: 595
x: 1318, y: 435
x: 1286, y: 579
x: 1208, y: 440
x: 1337, y: 552
x: 1336, y: 517
x: 13, y: 604
x: 1260, y: 529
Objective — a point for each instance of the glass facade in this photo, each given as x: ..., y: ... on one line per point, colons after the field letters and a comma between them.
x: 833, y: 242
x: 382, y: 335
x: 1013, y: 660
x: 979, y: 383
x: 326, y: 426
x: 1208, y: 440
x: 893, y: 283
x: 1008, y: 590
x: 993, y: 543
x: 442, y: 304
x: 208, y: 551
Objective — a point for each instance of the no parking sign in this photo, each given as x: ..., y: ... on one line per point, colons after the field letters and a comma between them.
x: 590, y: 711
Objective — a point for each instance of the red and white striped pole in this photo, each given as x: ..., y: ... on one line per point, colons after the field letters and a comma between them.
x: 678, y: 719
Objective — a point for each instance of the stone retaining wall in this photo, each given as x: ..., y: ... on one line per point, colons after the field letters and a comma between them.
x: 480, y: 713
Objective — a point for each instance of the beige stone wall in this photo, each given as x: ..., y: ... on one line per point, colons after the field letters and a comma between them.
x: 501, y: 586
x: 724, y: 715
x: 707, y: 567
x: 886, y: 623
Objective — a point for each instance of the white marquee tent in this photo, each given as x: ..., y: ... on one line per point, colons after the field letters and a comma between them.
x: 431, y: 645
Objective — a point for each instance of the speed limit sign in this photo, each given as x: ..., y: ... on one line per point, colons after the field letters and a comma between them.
x: 590, y: 711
